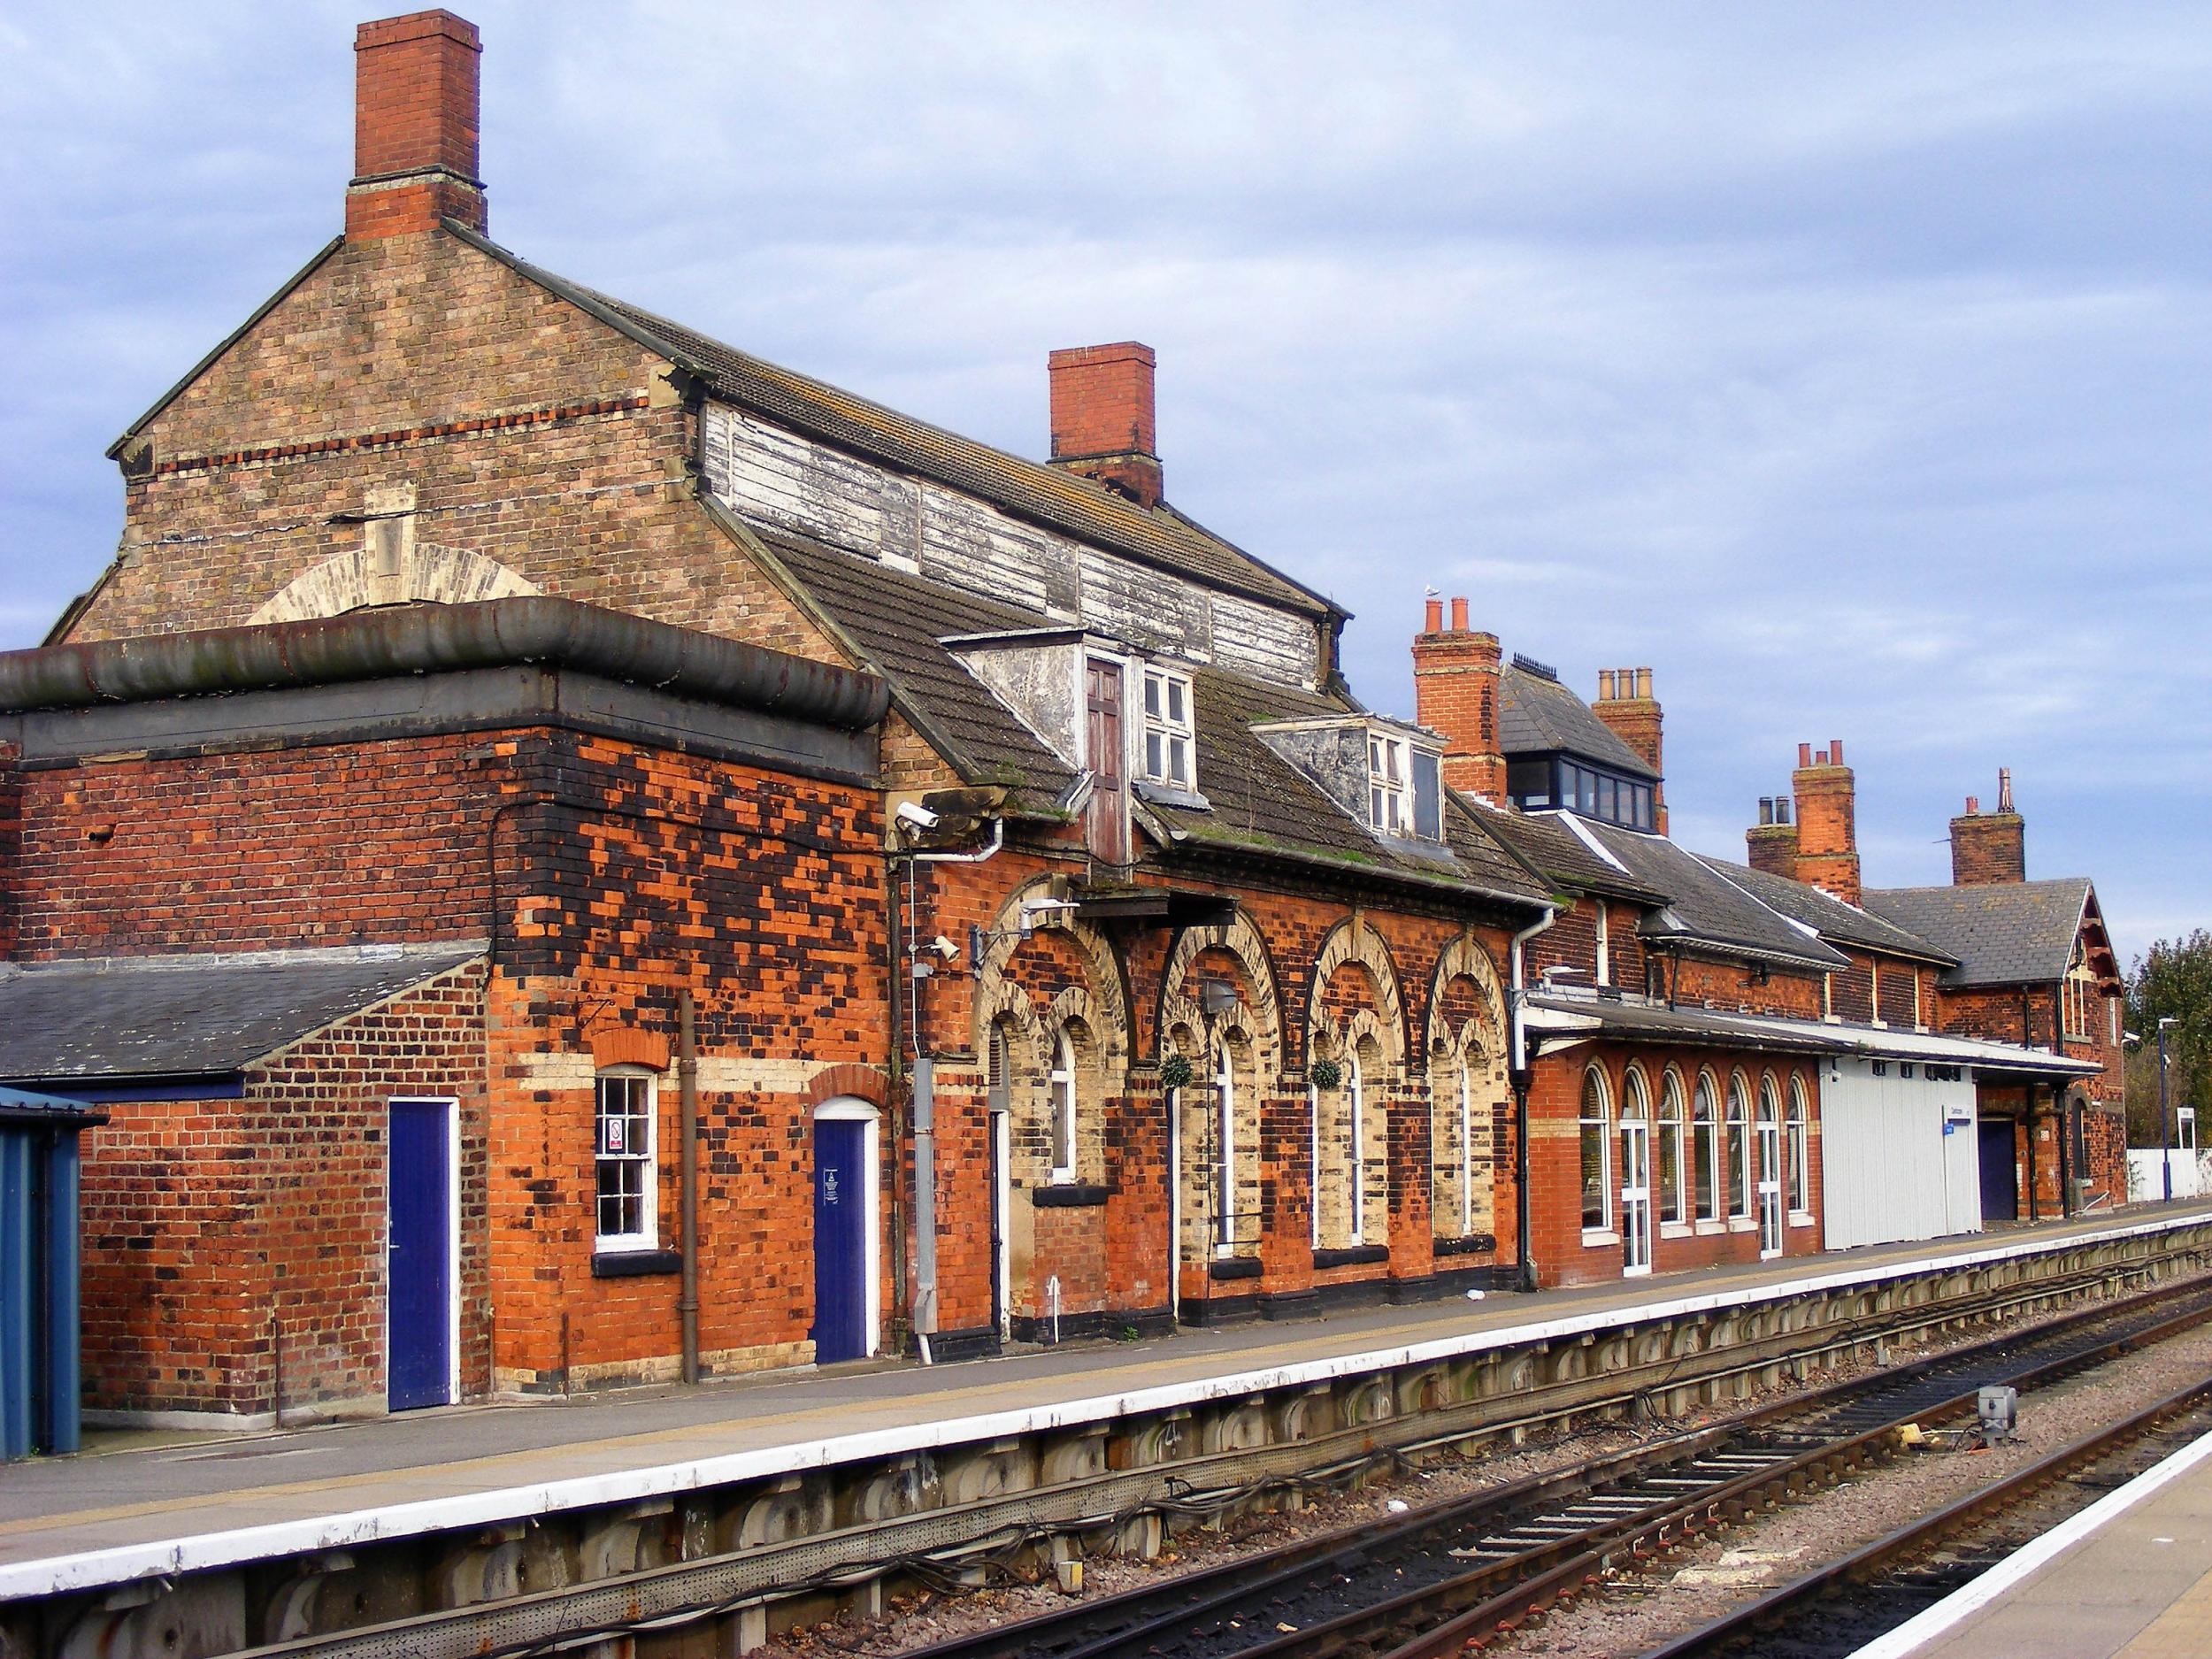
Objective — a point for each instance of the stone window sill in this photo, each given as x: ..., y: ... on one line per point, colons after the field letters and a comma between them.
x: 1592, y: 1237
x: 1706, y: 1227
x: 635, y: 1263
x: 1801, y: 1217
x: 1351, y: 1255
x: 1234, y: 1267
x: 1473, y: 1244
x: 1674, y: 1229
x: 1067, y: 1195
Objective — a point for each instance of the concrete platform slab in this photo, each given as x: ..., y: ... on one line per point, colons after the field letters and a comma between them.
x: 90, y: 1520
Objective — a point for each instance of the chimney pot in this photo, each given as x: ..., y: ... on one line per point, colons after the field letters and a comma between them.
x: 1102, y: 425
x: 1643, y: 683
x: 1459, y: 615
x: 1835, y: 751
x: 1804, y: 754
x: 1605, y: 685
x: 2004, y: 790
x: 1973, y: 805
x: 1766, y: 810
x: 1433, y: 618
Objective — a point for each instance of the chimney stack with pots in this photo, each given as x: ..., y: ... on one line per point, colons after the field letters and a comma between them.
x: 414, y: 126
x: 1772, y: 840
x: 1632, y: 713
x: 1102, y: 418
x: 1989, y: 848
x: 1456, y: 693
x: 1827, y: 826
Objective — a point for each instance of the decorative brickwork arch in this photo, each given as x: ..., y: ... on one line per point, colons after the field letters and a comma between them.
x: 426, y: 573
x: 626, y: 1045
x: 1106, y: 1005
x: 1259, y: 1015
x: 1353, y: 941
x: 1469, y: 1092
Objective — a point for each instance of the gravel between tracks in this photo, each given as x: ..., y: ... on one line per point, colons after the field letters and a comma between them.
x: 917, y: 1620
x: 1637, y: 1612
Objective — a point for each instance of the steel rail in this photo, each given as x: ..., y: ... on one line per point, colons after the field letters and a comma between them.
x: 1701, y: 1511
x: 1914, y: 1537
x: 1132, y: 1621
x: 943, y: 1537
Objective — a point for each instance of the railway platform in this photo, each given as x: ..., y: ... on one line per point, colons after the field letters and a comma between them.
x: 2129, y: 1578
x: 738, y: 1490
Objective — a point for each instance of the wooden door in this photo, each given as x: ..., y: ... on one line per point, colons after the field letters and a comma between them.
x: 1106, y: 819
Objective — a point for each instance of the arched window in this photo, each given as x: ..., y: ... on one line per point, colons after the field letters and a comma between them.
x: 1597, y: 1153
x: 1707, y: 1132
x: 1738, y: 1147
x: 1801, y: 1150
x: 1060, y: 1090
x: 1673, y: 1201
x: 1635, y: 1099
x: 1356, y: 1114
x: 1226, y: 1134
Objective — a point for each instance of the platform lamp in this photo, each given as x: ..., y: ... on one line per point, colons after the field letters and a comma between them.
x: 2166, y: 1023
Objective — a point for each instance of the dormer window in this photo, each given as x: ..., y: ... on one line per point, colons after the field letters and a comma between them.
x: 1537, y: 783
x: 1389, y: 774
x: 1169, y: 748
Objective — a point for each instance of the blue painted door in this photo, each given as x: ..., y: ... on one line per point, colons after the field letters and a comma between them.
x: 2000, y: 1170
x: 841, y: 1240
x: 419, y: 1288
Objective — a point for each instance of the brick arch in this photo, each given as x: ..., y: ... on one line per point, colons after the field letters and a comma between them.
x: 861, y: 1082
x: 1261, y: 1016
x: 428, y: 573
x: 1465, y: 959
x: 1106, y: 991
x: 626, y: 1045
x: 1352, y: 942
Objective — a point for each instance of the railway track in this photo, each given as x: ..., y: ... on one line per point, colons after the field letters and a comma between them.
x: 1838, y: 1608
x: 1433, y: 1581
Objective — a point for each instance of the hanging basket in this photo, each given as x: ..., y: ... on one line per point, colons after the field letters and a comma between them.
x: 1175, y: 1072
x: 1325, y: 1074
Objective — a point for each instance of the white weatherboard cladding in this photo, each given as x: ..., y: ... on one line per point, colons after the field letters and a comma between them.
x: 1888, y: 1171
x: 770, y: 473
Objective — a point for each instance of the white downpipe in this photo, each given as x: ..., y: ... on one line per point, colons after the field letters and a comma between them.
x: 1052, y: 1301
x: 1520, y: 982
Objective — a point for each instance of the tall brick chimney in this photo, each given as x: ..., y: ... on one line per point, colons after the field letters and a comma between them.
x: 1627, y: 707
x: 1103, y: 419
x: 414, y: 126
x: 1456, y: 693
x: 1772, y: 840
x: 1827, y: 825
x: 1989, y: 848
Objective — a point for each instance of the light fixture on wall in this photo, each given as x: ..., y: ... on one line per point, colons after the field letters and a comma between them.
x: 1218, y: 997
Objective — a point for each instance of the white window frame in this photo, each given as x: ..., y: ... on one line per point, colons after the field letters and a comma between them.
x: 1466, y: 1148
x: 1738, y: 1156
x: 1061, y: 1102
x: 1389, y: 784
x: 1160, y: 688
x: 1601, y: 1234
x: 1799, y: 1134
x: 1605, y: 944
x: 1674, y: 1126
x: 647, y: 1236
x: 1874, y: 993
x: 1712, y: 1188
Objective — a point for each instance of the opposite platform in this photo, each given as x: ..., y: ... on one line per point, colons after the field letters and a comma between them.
x: 81, y: 1523
x: 2129, y: 1578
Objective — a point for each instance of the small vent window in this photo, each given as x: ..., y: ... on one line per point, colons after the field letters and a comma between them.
x: 1389, y: 777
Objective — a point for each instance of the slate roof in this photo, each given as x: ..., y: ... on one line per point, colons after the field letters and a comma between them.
x: 123, y: 1017
x: 894, y: 621
x: 1048, y: 495
x: 1257, y: 802
x: 2018, y: 932
x: 1834, y: 919
x: 1551, y: 847
x: 1706, y: 908
x: 1537, y: 714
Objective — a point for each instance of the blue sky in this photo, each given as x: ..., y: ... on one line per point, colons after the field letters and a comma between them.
x: 1851, y: 366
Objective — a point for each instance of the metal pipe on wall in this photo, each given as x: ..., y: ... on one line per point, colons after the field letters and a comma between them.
x: 688, y: 1087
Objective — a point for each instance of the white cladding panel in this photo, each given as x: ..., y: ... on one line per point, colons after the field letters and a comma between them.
x: 1889, y: 1170
x: 791, y: 481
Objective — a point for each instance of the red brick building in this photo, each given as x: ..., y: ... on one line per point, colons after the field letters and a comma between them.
x: 574, y: 854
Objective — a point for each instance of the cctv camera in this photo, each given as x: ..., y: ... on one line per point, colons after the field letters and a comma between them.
x: 914, y: 816
x: 944, y: 948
